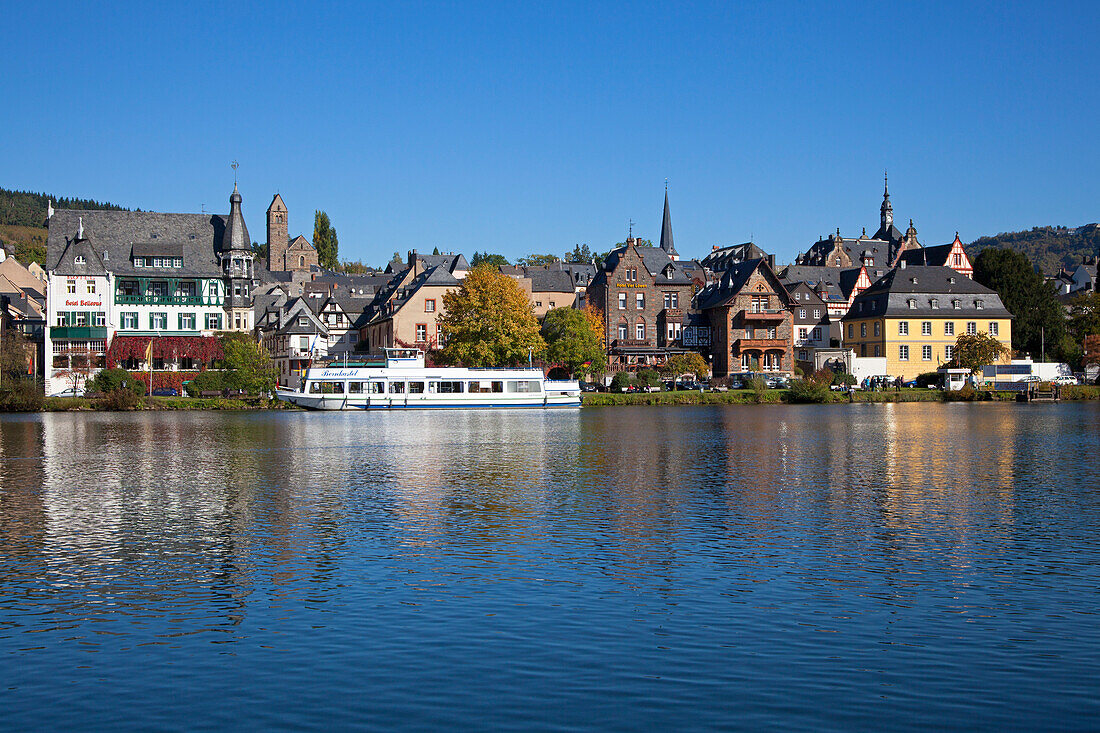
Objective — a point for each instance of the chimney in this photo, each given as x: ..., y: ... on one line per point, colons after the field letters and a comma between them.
x: 771, y: 261
x: 902, y: 264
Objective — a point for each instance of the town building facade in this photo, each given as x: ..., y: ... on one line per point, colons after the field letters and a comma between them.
x: 749, y: 311
x: 914, y: 315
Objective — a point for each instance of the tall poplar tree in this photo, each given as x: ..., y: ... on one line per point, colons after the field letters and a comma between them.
x: 325, y: 242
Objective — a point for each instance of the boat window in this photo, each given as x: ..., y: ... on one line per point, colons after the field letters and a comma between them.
x: 315, y: 388
x: 397, y: 388
x: 332, y: 387
x: 416, y: 388
x: 445, y: 387
x: 485, y: 386
x: 355, y: 388
x: 524, y: 385
x: 374, y: 387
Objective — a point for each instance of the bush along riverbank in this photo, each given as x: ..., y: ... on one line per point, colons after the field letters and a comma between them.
x: 790, y: 396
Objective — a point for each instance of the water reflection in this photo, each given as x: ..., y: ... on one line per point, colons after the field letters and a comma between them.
x: 714, y: 538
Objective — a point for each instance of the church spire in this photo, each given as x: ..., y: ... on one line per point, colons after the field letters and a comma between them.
x: 666, y: 231
x: 887, y: 209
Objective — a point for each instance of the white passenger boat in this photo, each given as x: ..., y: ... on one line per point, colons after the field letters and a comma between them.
x: 406, y: 383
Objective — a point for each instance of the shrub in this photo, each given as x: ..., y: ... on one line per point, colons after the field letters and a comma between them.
x: 123, y: 398
x: 114, y: 380
x: 843, y: 378
x: 814, y: 388
x: 649, y: 377
x: 22, y: 395
x: 928, y: 379
x: 966, y: 394
x: 621, y: 381
x: 205, y: 382
x: 759, y: 388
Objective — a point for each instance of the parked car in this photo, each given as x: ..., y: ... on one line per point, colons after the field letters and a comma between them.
x: 165, y: 392
x: 70, y: 392
x: 1065, y: 379
x: 688, y: 385
x: 736, y: 384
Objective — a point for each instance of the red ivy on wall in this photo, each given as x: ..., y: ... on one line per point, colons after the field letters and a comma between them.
x: 163, y: 380
x: 204, y: 349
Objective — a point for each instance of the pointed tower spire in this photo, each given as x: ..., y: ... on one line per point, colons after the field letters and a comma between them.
x: 666, y: 231
x: 236, y: 233
x: 886, y: 211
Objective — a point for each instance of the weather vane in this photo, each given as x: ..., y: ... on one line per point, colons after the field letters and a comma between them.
x: 234, y: 165
x: 630, y: 224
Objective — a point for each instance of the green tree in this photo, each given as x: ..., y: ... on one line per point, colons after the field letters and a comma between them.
x: 637, y: 242
x: 259, y: 251
x: 689, y: 363
x: 435, y: 251
x: 975, y: 350
x: 489, y: 321
x: 325, y: 241
x: 1039, y: 322
x: 572, y: 341
x: 537, y: 260
x: 249, y: 366
x: 580, y: 253
x: 485, y: 258
x: 112, y: 380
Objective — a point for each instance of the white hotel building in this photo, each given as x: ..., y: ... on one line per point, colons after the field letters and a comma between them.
x: 115, y: 275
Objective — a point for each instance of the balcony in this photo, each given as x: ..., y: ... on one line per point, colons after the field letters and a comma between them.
x: 759, y: 344
x: 78, y: 332
x: 123, y: 299
x: 770, y: 314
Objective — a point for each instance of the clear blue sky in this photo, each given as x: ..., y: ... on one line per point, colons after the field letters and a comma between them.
x: 520, y: 128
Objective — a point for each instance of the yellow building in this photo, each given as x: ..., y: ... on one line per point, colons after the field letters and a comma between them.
x: 913, y: 315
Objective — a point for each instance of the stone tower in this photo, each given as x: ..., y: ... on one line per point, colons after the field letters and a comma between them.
x: 278, y: 238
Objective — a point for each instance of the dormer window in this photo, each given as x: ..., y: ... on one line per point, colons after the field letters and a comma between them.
x: 79, y: 260
x: 979, y: 304
x: 912, y: 304
x: 935, y: 303
x: 303, y: 321
x: 956, y: 304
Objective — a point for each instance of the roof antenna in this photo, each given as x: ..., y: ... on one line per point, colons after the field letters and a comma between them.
x: 666, y: 185
x: 202, y: 208
x: 630, y: 231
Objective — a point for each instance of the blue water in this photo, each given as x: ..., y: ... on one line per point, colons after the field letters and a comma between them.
x: 838, y: 567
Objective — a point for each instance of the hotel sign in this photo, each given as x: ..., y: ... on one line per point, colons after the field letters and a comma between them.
x: 90, y: 303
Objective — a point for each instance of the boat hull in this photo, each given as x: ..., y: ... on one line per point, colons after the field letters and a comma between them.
x: 411, y: 402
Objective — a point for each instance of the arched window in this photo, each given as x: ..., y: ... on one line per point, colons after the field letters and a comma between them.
x: 639, y: 330
x: 622, y: 330
x: 301, y: 260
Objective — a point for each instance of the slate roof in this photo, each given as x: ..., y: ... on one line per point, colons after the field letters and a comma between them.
x: 836, y: 282
x: 930, y: 256
x: 732, y: 281
x: 112, y: 235
x: 722, y: 257
x: 892, y: 294
x: 655, y: 260
x: 551, y: 281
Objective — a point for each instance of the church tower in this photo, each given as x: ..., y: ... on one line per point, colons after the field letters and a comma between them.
x: 666, y: 232
x: 887, y: 210
x: 277, y: 235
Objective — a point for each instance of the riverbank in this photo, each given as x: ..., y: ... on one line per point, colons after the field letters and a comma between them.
x: 78, y: 404
x: 783, y: 396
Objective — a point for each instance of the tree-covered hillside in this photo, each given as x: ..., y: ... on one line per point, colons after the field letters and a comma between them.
x: 1049, y: 248
x: 23, y: 221
x: 27, y: 209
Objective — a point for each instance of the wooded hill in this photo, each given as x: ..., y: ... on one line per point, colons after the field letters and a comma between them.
x: 1049, y: 248
x: 23, y: 221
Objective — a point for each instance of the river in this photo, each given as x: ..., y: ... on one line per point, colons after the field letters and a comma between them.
x: 826, y: 567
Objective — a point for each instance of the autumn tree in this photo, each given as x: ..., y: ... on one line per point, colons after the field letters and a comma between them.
x: 489, y: 321
x: 325, y: 241
x: 975, y: 350
x: 572, y: 341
